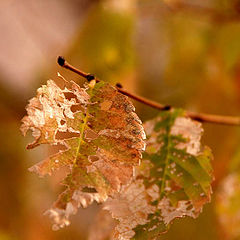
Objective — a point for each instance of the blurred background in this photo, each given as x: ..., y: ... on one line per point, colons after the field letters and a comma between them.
x: 182, y: 53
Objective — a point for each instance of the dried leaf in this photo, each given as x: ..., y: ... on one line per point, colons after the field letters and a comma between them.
x: 173, y: 181
x: 106, y: 141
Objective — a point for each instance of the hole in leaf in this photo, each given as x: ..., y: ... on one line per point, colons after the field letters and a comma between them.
x: 69, y: 96
x: 66, y: 135
x: 77, y: 108
x: 90, y: 134
x: 62, y: 122
x: 89, y: 190
x: 93, y: 158
x: 56, y: 148
x: 190, y: 207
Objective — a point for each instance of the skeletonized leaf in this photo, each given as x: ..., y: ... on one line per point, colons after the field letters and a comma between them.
x: 173, y: 181
x: 106, y: 141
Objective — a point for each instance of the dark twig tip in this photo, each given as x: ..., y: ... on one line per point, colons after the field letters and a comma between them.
x: 167, y: 107
x: 61, y: 61
x: 199, y: 119
x: 119, y: 85
x: 90, y: 77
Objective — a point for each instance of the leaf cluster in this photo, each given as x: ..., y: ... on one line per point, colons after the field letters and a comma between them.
x: 106, y: 161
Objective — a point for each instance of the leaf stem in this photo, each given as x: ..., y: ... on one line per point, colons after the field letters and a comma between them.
x: 201, y: 117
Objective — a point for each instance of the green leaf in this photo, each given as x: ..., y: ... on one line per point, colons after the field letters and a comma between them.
x: 173, y: 181
x: 104, y: 141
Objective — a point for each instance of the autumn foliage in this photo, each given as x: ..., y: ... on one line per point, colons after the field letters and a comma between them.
x: 143, y: 181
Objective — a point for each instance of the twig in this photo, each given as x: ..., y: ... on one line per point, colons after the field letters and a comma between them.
x: 63, y: 63
x: 201, y: 117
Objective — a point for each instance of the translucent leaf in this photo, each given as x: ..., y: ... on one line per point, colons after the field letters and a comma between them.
x: 173, y: 181
x: 104, y: 143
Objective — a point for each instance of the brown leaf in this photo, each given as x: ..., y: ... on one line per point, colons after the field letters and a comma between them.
x: 106, y: 145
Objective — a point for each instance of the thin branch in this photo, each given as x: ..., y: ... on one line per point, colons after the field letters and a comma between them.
x: 63, y: 63
x: 201, y: 117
